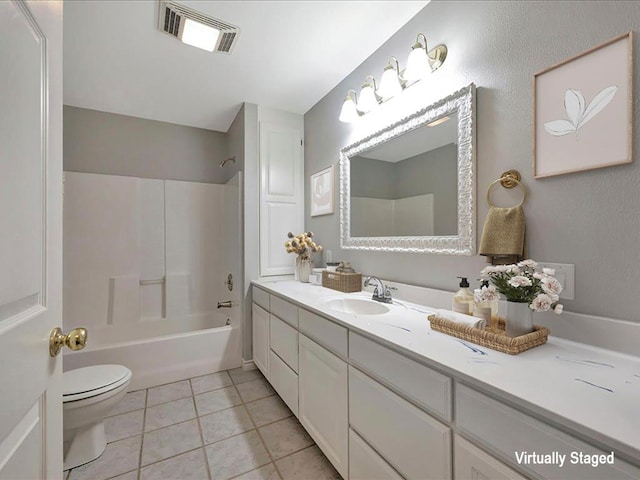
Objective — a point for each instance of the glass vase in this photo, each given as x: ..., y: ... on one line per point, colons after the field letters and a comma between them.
x: 519, y: 319
x: 303, y: 269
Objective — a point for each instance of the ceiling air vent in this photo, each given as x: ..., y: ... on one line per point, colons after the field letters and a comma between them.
x: 173, y: 17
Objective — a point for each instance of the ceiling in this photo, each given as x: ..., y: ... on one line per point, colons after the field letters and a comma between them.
x: 289, y: 55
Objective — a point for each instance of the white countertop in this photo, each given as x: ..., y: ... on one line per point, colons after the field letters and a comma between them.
x: 593, y: 391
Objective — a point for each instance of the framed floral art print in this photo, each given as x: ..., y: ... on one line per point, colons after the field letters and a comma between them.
x: 583, y: 111
x: 322, y: 192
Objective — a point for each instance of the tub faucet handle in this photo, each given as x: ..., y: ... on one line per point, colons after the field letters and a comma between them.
x: 226, y: 304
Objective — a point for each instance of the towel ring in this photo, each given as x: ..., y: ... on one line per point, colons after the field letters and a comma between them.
x: 508, y: 179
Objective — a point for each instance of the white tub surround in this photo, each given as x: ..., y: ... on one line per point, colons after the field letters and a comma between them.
x: 560, y: 397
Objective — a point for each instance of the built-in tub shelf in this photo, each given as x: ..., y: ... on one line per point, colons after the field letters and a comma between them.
x: 393, y: 399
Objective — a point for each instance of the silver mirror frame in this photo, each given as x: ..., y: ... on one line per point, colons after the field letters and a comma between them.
x: 461, y: 102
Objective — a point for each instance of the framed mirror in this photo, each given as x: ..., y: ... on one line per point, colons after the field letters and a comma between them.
x: 410, y: 187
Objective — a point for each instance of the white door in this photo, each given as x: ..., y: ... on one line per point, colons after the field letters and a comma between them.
x: 30, y: 246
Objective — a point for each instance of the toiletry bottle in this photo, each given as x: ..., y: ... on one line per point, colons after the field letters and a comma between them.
x: 463, y: 298
x: 487, y: 310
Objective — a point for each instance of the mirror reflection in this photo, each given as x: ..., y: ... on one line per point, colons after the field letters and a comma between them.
x: 407, y: 186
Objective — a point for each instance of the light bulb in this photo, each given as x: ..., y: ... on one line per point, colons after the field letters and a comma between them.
x: 367, y: 100
x: 389, y: 84
x: 417, y: 64
x: 349, y: 112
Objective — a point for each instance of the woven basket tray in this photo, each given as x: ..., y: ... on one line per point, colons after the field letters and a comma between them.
x: 343, y: 282
x: 496, y: 341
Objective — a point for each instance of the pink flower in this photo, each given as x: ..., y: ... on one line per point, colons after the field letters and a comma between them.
x: 541, y: 303
x: 558, y: 309
x: 551, y: 285
x: 520, y: 281
x: 528, y: 263
x: 549, y: 271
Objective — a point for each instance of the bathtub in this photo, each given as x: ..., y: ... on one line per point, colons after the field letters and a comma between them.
x: 179, y: 349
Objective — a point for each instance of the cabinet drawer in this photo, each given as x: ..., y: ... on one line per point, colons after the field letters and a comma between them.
x: 285, y: 382
x: 471, y: 463
x: 414, y: 443
x: 284, y: 341
x: 509, y: 431
x: 326, y: 333
x: 260, y: 297
x: 284, y: 310
x: 365, y: 463
x: 419, y: 383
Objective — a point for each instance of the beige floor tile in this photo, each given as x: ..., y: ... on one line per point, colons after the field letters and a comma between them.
x: 307, y: 464
x: 268, y: 410
x: 124, y: 425
x: 169, y: 413
x: 268, y: 472
x: 255, y: 390
x: 127, y: 476
x: 131, y: 401
x: 188, y: 466
x: 217, y: 400
x: 220, y: 425
x: 170, y: 441
x: 210, y: 382
x: 166, y: 393
x: 119, y: 457
x: 285, y: 437
x: 238, y: 375
x: 236, y: 455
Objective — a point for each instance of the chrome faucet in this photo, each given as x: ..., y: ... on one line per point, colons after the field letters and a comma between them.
x: 226, y: 304
x: 380, y: 293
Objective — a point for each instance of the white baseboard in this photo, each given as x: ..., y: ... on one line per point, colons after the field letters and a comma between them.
x: 248, y: 365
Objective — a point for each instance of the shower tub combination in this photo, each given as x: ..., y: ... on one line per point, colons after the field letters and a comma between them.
x: 146, y: 264
x: 192, y: 346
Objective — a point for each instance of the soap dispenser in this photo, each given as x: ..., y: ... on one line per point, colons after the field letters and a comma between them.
x: 463, y: 298
x: 485, y: 304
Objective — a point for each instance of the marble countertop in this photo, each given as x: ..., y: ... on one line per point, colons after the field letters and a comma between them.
x: 593, y: 391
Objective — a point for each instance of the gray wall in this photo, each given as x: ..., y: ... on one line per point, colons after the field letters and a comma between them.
x: 588, y: 219
x: 101, y: 142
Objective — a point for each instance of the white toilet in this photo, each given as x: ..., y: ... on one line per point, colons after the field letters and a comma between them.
x: 89, y: 395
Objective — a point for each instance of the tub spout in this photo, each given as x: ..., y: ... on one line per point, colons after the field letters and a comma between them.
x: 226, y: 304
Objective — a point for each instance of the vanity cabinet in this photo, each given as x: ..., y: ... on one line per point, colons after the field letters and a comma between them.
x: 378, y: 414
x: 323, y: 379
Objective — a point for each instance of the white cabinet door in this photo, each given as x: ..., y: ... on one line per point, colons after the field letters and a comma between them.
x: 281, y: 190
x: 323, y: 401
x: 30, y: 239
x: 365, y: 463
x: 261, y: 338
x: 471, y: 463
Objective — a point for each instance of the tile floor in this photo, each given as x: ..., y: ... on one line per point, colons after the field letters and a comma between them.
x: 215, y: 427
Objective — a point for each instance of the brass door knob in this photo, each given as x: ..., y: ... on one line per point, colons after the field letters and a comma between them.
x: 76, y: 339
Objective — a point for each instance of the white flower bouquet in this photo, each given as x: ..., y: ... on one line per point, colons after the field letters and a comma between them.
x: 523, y: 283
x: 302, y: 245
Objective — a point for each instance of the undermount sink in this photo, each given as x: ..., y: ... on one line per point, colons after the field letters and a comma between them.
x: 358, y: 306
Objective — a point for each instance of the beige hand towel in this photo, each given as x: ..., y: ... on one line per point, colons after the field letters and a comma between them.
x: 503, y: 236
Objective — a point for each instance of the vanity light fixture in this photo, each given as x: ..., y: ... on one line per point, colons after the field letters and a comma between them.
x: 349, y: 112
x: 390, y: 83
x: 422, y: 61
x: 368, y: 100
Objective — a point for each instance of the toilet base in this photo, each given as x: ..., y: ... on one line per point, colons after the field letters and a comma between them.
x: 88, y: 443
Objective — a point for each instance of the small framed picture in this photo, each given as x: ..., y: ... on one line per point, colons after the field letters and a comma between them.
x: 583, y: 111
x: 322, y: 192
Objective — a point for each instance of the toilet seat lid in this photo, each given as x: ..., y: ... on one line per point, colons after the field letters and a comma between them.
x: 88, y: 380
